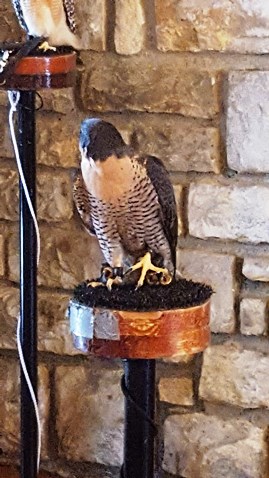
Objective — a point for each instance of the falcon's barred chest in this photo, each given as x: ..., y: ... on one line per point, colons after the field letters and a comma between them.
x: 125, y: 211
x: 128, y: 202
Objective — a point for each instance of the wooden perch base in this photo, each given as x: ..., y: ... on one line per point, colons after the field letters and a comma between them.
x: 151, y: 335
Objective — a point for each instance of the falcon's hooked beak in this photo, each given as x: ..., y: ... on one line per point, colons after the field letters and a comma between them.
x: 85, y: 159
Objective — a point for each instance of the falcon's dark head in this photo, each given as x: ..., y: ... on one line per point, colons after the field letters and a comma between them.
x: 100, y: 139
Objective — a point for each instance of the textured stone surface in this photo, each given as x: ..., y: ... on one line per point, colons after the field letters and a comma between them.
x: 54, y: 198
x: 92, y: 24
x: 205, y: 267
x: 180, y: 143
x: 253, y: 316
x: 9, y: 405
x: 247, y: 121
x: 53, y: 326
x: 256, y: 268
x: 2, y: 255
x: 204, y: 446
x: 68, y: 256
x: 240, y: 26
x: 60, y: 101
x: 114, y: 83
x: 130, y: 26
x: 233, y: 375
x: 6, y: 150
x: 229, y: 211
x: 178, y: 391
x: 9, y: 194
x: 9, y: 310
x: 57, y: 140
x: 9, y: 26
x: 92, y: 430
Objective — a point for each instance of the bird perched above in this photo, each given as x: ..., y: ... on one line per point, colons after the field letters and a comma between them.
x: 53, y: 20
x: 128, y: 202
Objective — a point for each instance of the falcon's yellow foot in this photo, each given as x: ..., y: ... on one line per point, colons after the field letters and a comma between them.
x: 45, y: 47
x: 146, y: 265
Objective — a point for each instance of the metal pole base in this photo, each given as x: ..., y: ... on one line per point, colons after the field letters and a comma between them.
x: 28, y: 297
x: 138, y: 386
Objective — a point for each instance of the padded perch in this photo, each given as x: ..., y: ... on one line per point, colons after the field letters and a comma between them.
x: 148, y: 323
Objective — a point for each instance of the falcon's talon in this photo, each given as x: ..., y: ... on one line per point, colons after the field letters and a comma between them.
x: 166, y: 278
x: 113, y: 281
x: 106, y: 273
x: 45, y: 46
x: 95, y: 284
x: 146, y: 265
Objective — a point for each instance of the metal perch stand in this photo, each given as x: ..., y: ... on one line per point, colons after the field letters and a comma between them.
x: 30, y: 74
x: 138, y: 386
x: 28, y: 283
x: 138, y: 338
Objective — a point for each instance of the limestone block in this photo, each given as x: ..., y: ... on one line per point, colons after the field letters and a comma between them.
x: 229, y: 211
x: 55, y: 198
x: 2, y: 256
x: 180, y: 143
x: 130, y: 27
x: 144, y: 83
x: 57, y: 140
x: 9, y: 194
x: 247, y: 121
x: 256, y: 268
x: 60, y: 101
x: 10, y: 407
x: 68, y: 256
x: 176, y: 390
x: 92, y: 24
x: 53, y: 327
x: 216, y: 270
x: 253, y: 316
x: 92, y: 430
x: 235, y: 375
x: 201, y: 446
x: 238, y: 26
x: 54, y: 195
x: 10, y: 29
x: 9, y: 311
x: 6, y: 149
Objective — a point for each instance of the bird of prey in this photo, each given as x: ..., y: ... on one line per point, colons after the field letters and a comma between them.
x: 128, y: 202
x: 53, y: 20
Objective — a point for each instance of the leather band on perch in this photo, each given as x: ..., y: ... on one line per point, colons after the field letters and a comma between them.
x: 46, y: 71
x: 132, y: 334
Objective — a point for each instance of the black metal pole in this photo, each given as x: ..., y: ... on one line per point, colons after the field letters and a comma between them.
x: 138, y: 386
x: 28, y: 280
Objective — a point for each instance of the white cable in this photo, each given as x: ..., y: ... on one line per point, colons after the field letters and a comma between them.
x: 14, y: 97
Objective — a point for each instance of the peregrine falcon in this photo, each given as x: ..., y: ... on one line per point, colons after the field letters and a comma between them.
x: 53, y: 20
x: 128, y: 202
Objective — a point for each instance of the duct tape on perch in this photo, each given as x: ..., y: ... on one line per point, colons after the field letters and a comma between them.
x: 91, y: 322
x: 108, y: 332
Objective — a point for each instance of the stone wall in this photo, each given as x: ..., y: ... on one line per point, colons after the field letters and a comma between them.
x: 187, y: 80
